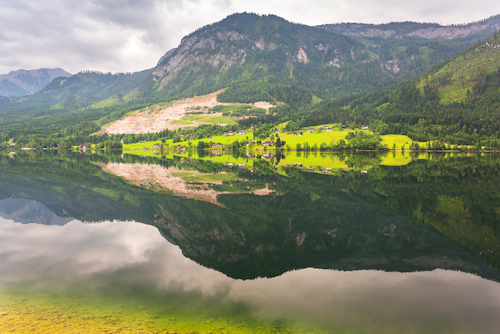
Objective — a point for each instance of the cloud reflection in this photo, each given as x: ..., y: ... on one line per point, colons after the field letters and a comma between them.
x: 130, y: 253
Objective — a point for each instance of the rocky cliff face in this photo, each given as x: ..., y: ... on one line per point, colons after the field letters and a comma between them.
x: 225, y: 45
x: 23, y: 82
x: 481, y: 29
x: 199, y: 51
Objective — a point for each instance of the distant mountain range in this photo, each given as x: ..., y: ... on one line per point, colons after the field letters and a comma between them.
x: 482, y: 29
x: 27, y: 82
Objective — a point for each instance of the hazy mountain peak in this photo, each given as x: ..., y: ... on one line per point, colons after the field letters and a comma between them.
x: 26, y: 82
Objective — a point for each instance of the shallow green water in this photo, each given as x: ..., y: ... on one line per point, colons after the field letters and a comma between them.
x: 128, y: 244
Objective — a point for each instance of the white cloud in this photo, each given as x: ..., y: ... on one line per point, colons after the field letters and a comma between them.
x: 131, y: 35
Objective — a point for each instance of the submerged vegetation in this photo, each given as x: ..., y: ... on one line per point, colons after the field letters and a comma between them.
x: 120, y: 309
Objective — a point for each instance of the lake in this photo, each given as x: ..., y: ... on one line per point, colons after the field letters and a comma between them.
x: 249, y: 242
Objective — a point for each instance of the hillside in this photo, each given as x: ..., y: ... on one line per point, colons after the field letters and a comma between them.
x: 456, y: 102
x: 465, y: 75
x: 22, y: 82
x: 190, y: 112
x: 482, y: 29
x: 93, y: 85
x: 251, y: 48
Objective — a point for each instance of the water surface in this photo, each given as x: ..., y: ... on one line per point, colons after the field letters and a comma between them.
x: 125, y: 243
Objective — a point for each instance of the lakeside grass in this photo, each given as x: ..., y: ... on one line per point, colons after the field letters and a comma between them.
x: 310, y: 159
x: 399, y: 141
x: 316, y: 137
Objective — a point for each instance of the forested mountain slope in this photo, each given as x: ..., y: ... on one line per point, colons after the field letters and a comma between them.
x: 457, y: 102
x: 93, y: 86
x: 71, y: 106
x: 247, y: 47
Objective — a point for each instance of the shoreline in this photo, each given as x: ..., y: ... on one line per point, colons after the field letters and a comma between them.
x: 247, y: 149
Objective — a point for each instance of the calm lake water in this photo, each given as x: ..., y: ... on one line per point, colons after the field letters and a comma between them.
x: 188, y: 243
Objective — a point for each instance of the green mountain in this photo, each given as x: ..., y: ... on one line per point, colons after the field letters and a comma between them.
x: 93, y: 85
x: 71, y: 106
x: 251, y: 48
x: 411, y: 48
x: 88, y: 87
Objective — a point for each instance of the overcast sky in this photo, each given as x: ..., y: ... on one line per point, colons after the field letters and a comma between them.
x: 131, y: 35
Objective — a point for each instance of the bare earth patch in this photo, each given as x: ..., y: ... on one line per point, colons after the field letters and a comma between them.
x: 158, y: 120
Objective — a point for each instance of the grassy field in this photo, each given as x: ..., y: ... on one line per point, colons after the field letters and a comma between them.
x: 399, y: 141
x: 208, y: 119
x: 317, y: 137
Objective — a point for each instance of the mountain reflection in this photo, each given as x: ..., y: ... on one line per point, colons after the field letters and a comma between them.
x: 29, y: 212
x: 245, y: 224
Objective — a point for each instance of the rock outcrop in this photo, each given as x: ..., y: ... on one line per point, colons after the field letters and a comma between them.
x: 484, y: 29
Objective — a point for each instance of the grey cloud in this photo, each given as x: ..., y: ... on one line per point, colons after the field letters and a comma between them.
x: 108, y: 36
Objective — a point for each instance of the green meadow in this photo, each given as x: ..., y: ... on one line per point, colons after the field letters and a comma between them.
x: 316, y: 137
